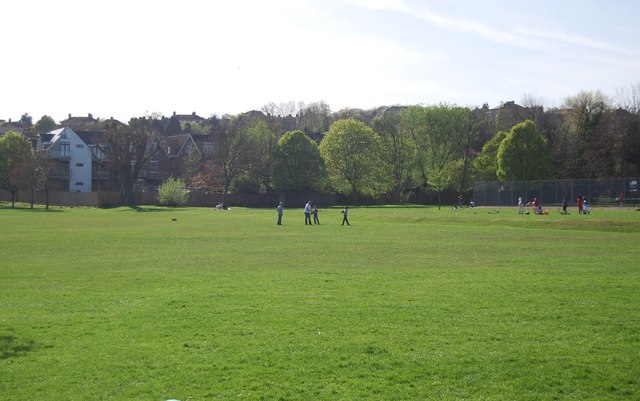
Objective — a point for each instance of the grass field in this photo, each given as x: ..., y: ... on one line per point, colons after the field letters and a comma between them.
x: 406, y: 304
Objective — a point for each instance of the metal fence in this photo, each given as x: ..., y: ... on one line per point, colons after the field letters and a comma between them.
x: 104, y: 199
x: 551, y: 192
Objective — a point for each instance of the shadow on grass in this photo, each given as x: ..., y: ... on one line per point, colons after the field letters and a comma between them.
x: 11, y: 346
x: 27, y: 208
x: 145, y: 209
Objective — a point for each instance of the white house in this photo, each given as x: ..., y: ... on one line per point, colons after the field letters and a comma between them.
x: 72, y: 158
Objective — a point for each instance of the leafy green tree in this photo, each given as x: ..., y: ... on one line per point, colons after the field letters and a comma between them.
x: 262, y: 157
x: 44, y: 124
x: 523, y: 154
x: 234, y: 148
x: 437, y: 133
x: 173, y: 192
x: 396, y: 151
x: 17, y: 162
x: 297, y: 164
x: 440, y: 179
x: 26, y: 119
x: 173, y: 126
x: 486, y: 164
x: 351, y: 151
x: 193, y: 128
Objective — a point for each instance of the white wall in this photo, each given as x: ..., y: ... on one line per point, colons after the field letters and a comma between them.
x: 80, y: 162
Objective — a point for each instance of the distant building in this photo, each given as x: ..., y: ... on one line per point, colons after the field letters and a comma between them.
x: 72, y: 160
x: 80, y: 123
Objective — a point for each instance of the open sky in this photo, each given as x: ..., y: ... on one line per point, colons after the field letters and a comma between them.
x: 126, y: 58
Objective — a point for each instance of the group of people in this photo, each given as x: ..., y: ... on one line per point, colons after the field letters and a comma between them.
x: 535, y: 204
x: 583, y: 205
x: 309, y: 210
x: 472, y: 204
x: 312, y: 210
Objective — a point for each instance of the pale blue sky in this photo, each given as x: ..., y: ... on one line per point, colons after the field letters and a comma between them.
x: 123, y: 58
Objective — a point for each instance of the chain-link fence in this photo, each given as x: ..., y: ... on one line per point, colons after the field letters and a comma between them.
x: 551, y: 192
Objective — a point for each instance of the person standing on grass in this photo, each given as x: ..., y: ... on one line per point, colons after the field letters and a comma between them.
x: 345, y: 212
x: 537, y: 209
x: 307, y: 213
x: 579, y: 204
x: 280, y: 210
x: 315, y: 214
x: 520, y: 206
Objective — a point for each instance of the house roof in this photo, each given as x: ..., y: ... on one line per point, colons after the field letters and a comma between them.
x: 176, y: 143
x: 92, y: 137
x: 15, y: 126
x: 79, y: 123
x: 50, y: 138
x: 193, y: 117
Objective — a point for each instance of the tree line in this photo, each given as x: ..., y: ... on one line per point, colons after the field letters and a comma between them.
x: 384, y: 151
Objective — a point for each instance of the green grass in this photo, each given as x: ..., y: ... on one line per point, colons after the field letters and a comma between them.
x: 406, y: 304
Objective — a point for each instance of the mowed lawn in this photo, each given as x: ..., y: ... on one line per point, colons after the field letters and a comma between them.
x: 408, y: 303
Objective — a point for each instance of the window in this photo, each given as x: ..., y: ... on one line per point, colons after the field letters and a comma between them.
x: 97, y: 152
x: 153, y: 166
x: 79, y: 183
x: 79, y: 164
x: 65, y: 149
x: 79, y: 146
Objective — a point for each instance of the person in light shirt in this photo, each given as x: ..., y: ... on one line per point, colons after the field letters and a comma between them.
x: 307, y: 214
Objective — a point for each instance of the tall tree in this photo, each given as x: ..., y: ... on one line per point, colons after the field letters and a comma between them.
x: 396, y: 150
x: 627, y: 123
x: 129, y: 150
x: 17, y: 162
x: 351, y: 151
x: 26, y: 119
x: 44, y: 125
x: 259, y: 172
x: 234, y: 145
x: 173, y: 126
x: 460, y: 167
x: 485, y: 165
x: 297, y: 164
x: 523, y: 154
x: 437, y: 134
x: 588, y: 151
x: 315, y: 118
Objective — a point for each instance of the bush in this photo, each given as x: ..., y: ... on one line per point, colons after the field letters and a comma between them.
x: 173, y: 192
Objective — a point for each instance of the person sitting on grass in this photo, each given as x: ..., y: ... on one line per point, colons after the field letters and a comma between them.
x: 537, y: 209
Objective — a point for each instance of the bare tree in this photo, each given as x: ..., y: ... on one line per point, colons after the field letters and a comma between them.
x: 234, y: 145
x: 629, y: 98
x: 129, y: 148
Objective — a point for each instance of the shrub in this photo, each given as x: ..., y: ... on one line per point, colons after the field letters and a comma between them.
x: 173, y: 192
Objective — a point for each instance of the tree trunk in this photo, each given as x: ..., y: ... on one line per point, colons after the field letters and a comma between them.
x: 127, y: 196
